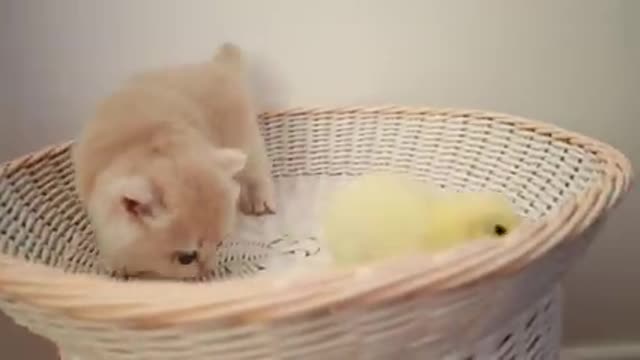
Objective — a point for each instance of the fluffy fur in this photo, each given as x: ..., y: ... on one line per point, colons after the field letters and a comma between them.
x: 166, y: 161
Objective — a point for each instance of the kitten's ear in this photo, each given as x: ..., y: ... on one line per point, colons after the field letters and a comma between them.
x: 137, y: 196
x: 231, y: 161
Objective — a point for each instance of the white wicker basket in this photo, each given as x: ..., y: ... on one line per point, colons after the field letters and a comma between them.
x: 494, y: 301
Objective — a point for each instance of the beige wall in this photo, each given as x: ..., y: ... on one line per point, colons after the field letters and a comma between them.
x: 566, y: 61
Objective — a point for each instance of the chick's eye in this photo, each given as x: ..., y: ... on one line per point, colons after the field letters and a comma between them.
x: 186, y: 257
x: 500, y: 230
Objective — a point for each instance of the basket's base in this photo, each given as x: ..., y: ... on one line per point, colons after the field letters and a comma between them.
x: 535, y: 334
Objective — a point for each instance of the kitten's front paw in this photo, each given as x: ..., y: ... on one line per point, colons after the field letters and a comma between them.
x: 257, y: 199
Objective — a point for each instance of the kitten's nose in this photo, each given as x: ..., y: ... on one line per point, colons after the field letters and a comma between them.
x: 186, y: 258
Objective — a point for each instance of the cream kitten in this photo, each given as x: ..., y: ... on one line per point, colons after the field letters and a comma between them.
x: 166, y: 161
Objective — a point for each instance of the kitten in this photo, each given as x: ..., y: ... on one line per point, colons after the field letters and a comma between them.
x: 166, y: 162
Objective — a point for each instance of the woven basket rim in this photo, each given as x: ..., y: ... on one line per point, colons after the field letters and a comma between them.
x: 157, y: 304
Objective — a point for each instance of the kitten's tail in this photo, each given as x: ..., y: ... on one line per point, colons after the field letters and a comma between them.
x: 231, y: 56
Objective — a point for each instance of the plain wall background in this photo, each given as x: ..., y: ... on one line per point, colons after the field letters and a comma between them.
x: 571, y: 62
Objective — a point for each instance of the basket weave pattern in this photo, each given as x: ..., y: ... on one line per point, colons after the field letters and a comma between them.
x: 492, y: 300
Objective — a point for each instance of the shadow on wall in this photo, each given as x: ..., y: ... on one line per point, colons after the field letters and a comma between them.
x: 268, y: 84
x: 17, y: 342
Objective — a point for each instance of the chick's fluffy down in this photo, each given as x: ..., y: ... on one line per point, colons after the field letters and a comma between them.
x: 382, y: 215
x: 361, y: 220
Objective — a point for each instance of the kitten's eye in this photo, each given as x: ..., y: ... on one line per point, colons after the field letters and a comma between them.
x: 186, y: 258
x: 500, y: 230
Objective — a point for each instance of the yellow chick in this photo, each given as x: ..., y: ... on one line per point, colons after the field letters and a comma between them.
x: 382, y: 215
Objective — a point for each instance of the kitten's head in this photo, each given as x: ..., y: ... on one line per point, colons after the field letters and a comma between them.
x: 167, y: 217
